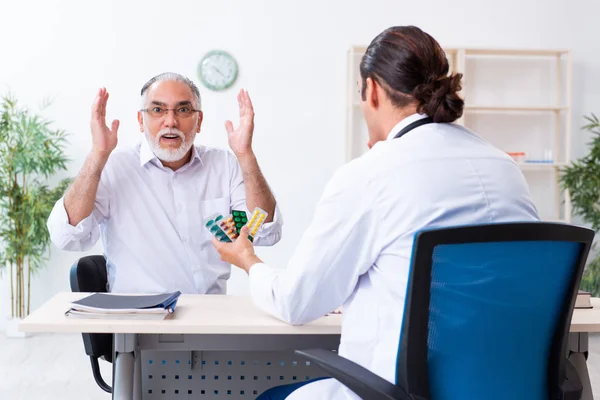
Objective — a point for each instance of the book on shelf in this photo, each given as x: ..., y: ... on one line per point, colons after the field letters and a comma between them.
x: 115, y: 306
x: 583, y: 300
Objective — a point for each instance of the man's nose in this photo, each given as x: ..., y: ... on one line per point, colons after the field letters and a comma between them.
x: 170, y: 121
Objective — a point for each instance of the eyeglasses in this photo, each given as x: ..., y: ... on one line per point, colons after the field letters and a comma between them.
x: 180, y: 112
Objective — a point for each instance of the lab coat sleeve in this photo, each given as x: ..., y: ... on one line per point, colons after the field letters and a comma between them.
x: 86, y: 233
x: 270, y: 233
x: 339, y: 246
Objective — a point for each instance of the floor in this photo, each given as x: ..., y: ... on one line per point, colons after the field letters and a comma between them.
x: 54, y: 366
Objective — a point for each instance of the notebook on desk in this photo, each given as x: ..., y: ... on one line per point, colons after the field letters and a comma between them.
x: 114, y: 306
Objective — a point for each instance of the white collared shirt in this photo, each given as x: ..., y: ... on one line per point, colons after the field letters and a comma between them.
x: 357, y: 250
x: 151, y: 219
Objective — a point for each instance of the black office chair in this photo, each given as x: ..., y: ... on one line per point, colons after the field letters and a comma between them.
x: 89, y: 275
x: 487, y: 316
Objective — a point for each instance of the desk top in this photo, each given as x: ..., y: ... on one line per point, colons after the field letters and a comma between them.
x: 587, y: 319
x: 195, y: 314
x: 216, y: 314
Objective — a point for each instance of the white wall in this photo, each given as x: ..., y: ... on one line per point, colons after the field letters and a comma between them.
x: 292, y: 61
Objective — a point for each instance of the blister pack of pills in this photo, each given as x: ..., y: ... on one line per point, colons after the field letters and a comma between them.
x: 240, y: 219
x: 219, y: 227
x: 257, y: 219
x: 227, y: 229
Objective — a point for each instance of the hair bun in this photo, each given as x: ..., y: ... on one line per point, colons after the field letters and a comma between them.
x: 439, y: 98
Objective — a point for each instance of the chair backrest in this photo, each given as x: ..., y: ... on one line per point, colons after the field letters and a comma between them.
x: 488, y: 310
x: 89, y: 274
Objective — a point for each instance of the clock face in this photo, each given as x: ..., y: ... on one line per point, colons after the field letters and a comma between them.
x: 217, y: 70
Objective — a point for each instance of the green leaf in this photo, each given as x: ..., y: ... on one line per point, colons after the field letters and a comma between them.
x: 31, y: 152
x: 582, y: 180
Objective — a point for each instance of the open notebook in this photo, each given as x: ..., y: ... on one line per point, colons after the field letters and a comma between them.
x: 114, y: 306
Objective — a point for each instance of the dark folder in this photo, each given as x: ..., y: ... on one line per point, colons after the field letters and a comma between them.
x: 108, y: 301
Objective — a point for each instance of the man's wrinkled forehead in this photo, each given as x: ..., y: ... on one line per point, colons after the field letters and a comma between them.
x: 169, y: 93
x: 178, y: 104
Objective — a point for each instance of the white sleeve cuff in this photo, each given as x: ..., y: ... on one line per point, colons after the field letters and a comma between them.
x: 62, y: 233
x: 261, y: 287
x: 270, y: 233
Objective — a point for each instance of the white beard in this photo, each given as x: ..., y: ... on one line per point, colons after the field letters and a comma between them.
x: 168, y: 155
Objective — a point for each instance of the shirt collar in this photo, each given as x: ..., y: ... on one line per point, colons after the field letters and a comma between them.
x: 404, y: 123
x: 146, y: 154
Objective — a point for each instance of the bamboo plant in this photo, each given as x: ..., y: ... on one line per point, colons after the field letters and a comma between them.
x: 31, y: 152
x: 582, y: 179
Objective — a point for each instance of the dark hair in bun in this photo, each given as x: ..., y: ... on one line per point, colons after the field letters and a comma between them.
x: 412, y: 67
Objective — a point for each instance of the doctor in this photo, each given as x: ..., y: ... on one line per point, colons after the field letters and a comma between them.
x: 422, y: 171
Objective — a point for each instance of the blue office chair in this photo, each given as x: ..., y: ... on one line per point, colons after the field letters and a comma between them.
x: 88, y: 274
x: 487, y: 316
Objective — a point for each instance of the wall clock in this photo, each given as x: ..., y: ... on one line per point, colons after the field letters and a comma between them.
x: 217, y: 70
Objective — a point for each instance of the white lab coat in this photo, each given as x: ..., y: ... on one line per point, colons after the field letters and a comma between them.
x: 356, y: 251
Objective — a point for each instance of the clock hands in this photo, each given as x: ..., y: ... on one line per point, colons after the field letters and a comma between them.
x: 219, y: 71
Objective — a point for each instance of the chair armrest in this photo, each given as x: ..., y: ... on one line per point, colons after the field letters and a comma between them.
x: 360, y: 380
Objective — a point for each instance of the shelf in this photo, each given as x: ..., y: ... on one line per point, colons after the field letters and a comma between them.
x: 515, y: 108
x: 490, y: 52
x: 505, y: 109
x: 515, y: 52
x: 540, y: 166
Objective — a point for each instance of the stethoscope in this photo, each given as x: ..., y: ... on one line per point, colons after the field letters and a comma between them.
x: 412, y: 126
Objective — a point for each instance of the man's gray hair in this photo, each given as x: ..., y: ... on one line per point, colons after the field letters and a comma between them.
x: 172, y: 76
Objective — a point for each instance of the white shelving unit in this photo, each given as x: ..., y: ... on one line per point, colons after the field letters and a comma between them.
x: 520, y: 100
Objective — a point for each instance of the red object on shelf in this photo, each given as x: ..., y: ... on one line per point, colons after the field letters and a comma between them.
x: 518, y: 156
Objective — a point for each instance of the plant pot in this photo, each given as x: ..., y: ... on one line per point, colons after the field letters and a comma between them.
x: 12, y: 329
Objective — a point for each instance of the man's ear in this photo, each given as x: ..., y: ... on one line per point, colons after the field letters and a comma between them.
x: 141, y: 121
x: 200, y: 118
x: 372, y: 92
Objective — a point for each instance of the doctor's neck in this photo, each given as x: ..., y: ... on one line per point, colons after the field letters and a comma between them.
x: 390, y: 116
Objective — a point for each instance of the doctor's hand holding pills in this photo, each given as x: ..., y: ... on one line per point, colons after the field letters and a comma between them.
x: 240, y: 252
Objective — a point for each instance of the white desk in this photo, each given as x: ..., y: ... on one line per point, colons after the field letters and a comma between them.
x: 230, y: 325
x: 195, y: 314
x: 244, y: 350
x: 587, y: 320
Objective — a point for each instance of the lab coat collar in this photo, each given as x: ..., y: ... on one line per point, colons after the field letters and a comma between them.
x: 403, y: 123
